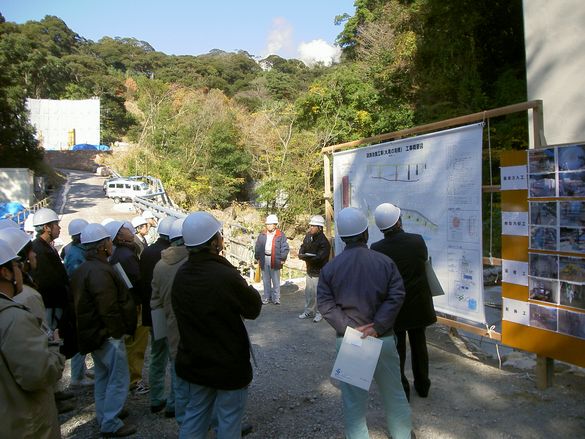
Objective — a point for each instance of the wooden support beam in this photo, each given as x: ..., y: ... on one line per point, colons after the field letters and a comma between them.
x: 470, y: 328
x: 494, y: 262
x: 545, y: 368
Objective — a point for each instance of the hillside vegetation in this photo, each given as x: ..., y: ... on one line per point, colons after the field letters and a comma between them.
x: 224, y: 127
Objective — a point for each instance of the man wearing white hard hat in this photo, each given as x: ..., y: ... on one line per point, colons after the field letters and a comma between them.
x: 362, y: 289
x: 315, y: 251
x: 105, y: 314
x: 210, y: 299
x: 271, y: 251
x: 29, y: 367
x: 153, y: 233
x: 409, y: 252
x: 141, y: 227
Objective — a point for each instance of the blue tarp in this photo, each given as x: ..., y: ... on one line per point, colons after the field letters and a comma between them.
x: 10, y: 209
x: 87, y: 146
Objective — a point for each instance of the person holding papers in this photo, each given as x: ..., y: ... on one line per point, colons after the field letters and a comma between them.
x: 409, y: 252
x: 362, y: 289
x: 105, y: 314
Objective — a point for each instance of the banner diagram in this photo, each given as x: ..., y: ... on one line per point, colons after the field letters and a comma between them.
x: 435, y: 179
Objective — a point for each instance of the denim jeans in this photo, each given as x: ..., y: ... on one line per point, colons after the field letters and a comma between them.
x: 205, y: 403
x: 396, y: 407
x: 311, y: 294
x: 271, y: 281
x: 159, y: 358
x: 181, y: 395
x: 111, y: 383
x: 78, y: 367
x: 53, y: 315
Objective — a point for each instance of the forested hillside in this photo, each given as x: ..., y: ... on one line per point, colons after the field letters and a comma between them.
x: 221, y: 127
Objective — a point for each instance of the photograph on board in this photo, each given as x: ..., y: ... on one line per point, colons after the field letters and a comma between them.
x: 571, y: 184
x: 542, y: 186
x: 572, y: 269
x: 543, y: 290
x: 541, y: 160
x: 572, y: 240
x: 543, y: 238
x: 546, y: 266
x: 543, y: 213
x: 572, y: 323
x: 572, y: 213
x: 573, y: 295
x: 571, y: 158
x: 543, y: 317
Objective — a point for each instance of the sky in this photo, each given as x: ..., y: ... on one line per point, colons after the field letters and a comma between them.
x: 301, y: 29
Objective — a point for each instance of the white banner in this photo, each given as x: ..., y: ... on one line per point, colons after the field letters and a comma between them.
x: 514, y: 177
x: 435, y: 179
x: 515, y: 272
x: 515, y: 223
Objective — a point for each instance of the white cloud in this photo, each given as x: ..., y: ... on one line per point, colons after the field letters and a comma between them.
x: 319, y: 51
x: 280, y: 37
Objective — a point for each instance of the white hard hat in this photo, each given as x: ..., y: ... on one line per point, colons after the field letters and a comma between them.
x: 164, y: 226
x: 351, y: 222
x: 386, y: 215
x: 93, y: 233
x: 113, y: 227
x: 271, y: 219
x: 76, y: 226
x: 317, y: 220
x: 177, y: 229
x: 15, y: 237
x: 106, y: 221
x: 44, y: 216
x: 5, y: 222
x: 128, y: 225
x: 7, y: 254
x: 28, y: 223
x: 147, y: 214
x: 199, y: 227
x: 138, y: 221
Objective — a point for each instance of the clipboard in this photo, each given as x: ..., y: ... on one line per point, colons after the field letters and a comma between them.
x: 433, y: 280
x: 122, y: 273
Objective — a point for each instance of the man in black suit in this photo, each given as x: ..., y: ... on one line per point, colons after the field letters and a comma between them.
x: 409, y: 252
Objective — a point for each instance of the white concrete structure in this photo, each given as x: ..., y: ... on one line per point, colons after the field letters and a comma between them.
x: 555, y: 65
x: 56, y: 121
x: 17, y: 184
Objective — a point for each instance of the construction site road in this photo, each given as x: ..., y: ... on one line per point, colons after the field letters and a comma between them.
x: 292, y: 396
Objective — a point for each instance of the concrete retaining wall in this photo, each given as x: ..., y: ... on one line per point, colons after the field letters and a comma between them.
x: 78, y: 160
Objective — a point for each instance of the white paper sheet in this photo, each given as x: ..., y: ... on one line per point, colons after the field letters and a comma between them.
x: 357, y: 359
x: 122, y: 273
x: 159, y: 323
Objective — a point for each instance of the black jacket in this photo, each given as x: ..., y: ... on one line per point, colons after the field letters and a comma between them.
x: 409, y: 252
x: 150, y: 256
x: 125, y: 255
x: 50, y: 275
x: 210, y: 298
x: 103, y: 306
x: 319, y: 246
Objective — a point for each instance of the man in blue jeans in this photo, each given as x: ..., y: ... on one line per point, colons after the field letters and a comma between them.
x: 105, y: 314
x: 363, y: 289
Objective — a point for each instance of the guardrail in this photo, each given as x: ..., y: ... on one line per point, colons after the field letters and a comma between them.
x: 20, y: 217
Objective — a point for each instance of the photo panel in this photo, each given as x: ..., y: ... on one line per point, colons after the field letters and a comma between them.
x: 572, y: 213
x: 573, y: 295
x: 545, y: 266
x: 571, y: 184
x: 543, y: 317
x: 571, y: 158
x: 541, y: 160
x: 572, y: 323
x: 543, y: 290
x: 542, y: 186
x: 572, y: 269
x: 543, y: 213
x: 572, y: 240
x: 543, y: 238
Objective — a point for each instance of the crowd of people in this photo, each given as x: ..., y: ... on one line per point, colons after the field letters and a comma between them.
x: 122, y: 284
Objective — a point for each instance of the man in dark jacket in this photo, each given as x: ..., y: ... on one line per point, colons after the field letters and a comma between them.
x: 409, y: 252
x: 105, y: 314
x: 159, y: 348
x: 210, y: 299
x: 315, y: 251
x: 271, y: 252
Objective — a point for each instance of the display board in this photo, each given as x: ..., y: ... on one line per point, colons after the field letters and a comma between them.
x: 543, y: 251
x: 435, y: 179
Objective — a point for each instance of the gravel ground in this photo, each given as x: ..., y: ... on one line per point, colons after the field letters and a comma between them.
x: 293, y: 397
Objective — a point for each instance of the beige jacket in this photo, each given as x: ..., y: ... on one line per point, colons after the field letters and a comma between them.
x: 28, y: 371
x: 162, y: 282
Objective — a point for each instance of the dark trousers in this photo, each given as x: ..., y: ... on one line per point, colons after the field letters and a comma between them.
x: 419, y: 359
